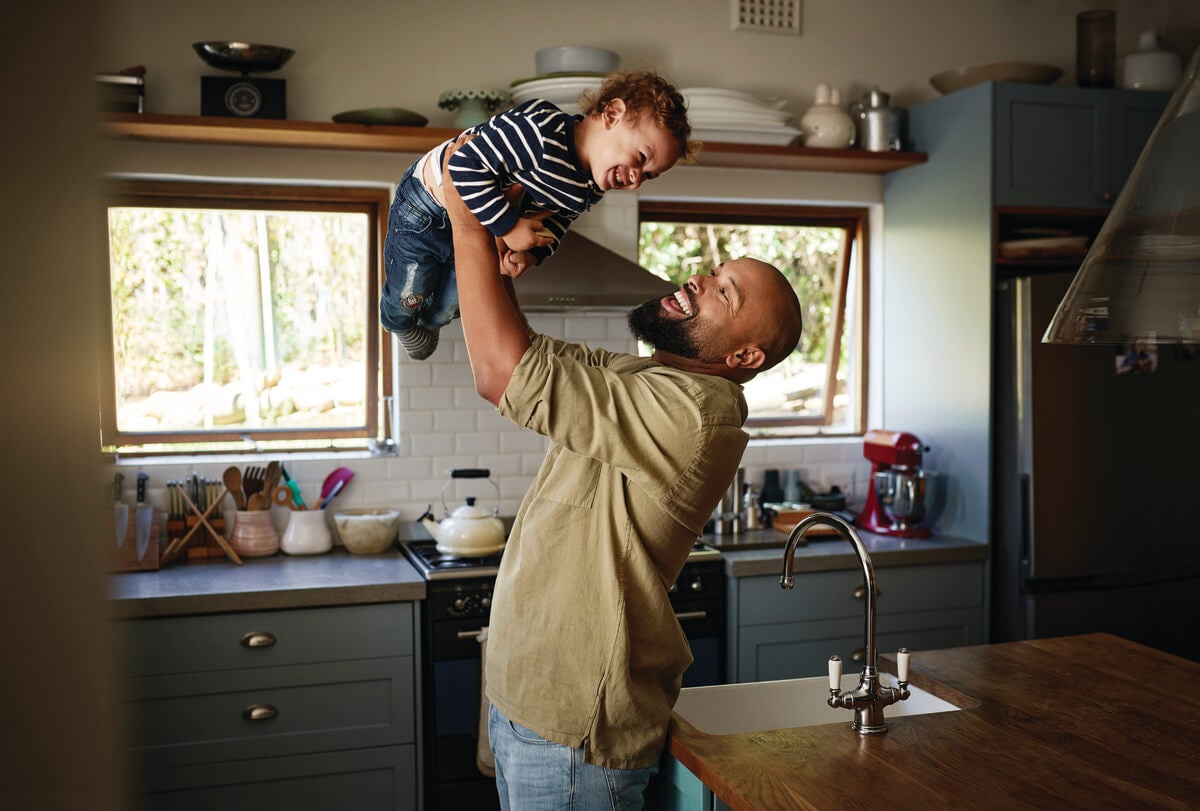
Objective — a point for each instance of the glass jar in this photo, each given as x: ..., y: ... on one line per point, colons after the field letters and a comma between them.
x: 1096, y: 48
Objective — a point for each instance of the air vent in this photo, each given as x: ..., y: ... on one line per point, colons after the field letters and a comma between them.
x: 767, y: 16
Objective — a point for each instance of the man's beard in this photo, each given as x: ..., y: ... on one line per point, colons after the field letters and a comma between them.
x: 648, y: 323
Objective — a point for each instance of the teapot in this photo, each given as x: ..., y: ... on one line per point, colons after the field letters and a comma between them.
x: 880, y: 123
x: 469, y: 531
x: 826, y: 124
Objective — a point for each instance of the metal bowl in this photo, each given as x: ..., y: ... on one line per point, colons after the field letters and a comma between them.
x: 244, y: 57
x: 904, y: 495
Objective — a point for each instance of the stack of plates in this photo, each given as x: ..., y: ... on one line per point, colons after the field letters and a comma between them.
x: 560, y: 89
x: 735, y: 117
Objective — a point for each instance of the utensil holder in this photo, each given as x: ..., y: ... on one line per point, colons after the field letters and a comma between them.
x: 254, y: 534
x: 1096, y: 48
x: 306, y: 533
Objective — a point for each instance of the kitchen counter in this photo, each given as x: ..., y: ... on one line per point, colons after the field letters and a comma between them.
x: 825, y: 553
x: 1074, y: 722
x: 279, y: 581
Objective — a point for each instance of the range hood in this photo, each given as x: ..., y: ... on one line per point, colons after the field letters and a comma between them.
x: 1140, y: 282
x: 584, y: 274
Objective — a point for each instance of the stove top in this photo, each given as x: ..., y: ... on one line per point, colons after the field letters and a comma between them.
x: 433, y: 565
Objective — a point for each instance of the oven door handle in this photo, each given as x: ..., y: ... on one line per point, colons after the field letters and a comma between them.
x: 691, y: 615
x: 470, y: 634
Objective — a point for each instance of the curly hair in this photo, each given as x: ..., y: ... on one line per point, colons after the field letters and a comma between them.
x: 645, y: 92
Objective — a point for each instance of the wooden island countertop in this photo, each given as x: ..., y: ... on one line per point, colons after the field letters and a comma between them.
x: 1091, y: 721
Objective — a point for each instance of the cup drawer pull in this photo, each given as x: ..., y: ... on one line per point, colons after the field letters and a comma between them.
x: 259, y: 712
x: 258, y: 639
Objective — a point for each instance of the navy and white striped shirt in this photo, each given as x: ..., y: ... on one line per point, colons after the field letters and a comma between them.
x: 534, y: 145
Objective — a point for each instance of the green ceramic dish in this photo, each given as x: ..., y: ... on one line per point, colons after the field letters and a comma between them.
x: 396, y: 116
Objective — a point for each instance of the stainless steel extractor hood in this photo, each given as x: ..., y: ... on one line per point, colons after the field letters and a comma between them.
x: 1141, y: 279
x: 585, y: 274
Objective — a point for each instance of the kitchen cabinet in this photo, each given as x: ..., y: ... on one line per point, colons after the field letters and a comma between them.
x: 777, y: 634
x: 302, y: 708
x: 1066, y: 146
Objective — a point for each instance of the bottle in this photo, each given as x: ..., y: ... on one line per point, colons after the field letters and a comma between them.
x: 1151, y: 68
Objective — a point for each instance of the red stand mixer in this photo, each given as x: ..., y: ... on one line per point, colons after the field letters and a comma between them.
x: 897, y: 497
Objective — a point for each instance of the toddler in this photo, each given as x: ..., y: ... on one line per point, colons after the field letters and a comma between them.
x: 634, y: 129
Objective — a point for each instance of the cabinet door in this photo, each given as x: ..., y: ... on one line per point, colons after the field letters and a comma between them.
x: 1135, y: 114
x: 1052, y: 147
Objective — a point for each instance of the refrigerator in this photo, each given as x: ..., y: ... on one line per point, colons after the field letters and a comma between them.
x: 1095, y: 490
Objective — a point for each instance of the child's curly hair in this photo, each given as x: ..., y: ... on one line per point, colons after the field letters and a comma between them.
x: 645, y: 92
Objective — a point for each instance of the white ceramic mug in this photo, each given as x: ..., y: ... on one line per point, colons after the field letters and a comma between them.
x: 306, y: 533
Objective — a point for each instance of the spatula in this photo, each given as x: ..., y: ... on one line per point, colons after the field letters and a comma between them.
x: 341, y: 475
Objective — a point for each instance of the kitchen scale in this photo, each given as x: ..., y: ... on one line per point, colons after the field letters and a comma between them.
x: 243, y: 96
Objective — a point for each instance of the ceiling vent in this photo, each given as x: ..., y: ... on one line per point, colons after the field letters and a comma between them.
x: 767, y: 16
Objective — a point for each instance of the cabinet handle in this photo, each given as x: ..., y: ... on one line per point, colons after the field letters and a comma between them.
x: 1107, y: 197
x: 691, y: 615
x: 470, y: 634
x: 259, y: 712
x: 258, y: 639
x: 858, y: 655
x: 861, y: 591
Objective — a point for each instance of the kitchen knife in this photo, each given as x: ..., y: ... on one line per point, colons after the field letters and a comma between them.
x: 120, y: 511
x: 145, y: 517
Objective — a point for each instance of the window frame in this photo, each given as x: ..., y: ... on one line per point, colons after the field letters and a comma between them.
x: 371, y: 201
x: 855, y: 220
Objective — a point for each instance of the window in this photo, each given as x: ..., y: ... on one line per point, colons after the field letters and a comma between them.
x: 243, y: 317
x: 821, y: 388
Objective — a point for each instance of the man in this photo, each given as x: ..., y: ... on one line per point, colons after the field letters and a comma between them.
x: 584, y: 652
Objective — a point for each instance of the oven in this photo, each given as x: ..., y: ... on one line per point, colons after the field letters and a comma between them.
x: 456, y: 607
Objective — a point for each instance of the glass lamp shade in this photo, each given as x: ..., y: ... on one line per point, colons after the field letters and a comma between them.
x: 1141, y: 279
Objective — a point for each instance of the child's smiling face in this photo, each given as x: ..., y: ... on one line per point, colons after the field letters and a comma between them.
x: 628, y: 152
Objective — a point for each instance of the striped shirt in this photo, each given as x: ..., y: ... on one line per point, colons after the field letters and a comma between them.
x: 534, y: 145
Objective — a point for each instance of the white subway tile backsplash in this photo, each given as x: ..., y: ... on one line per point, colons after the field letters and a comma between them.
x: 477, y: 443
x: 410, y: 468
x: 454, y: 421
x: 432, y: 444
x: 452, y: 374
x: 586, y: 330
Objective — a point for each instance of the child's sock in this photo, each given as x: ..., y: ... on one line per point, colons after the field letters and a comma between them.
x: 419, y: 342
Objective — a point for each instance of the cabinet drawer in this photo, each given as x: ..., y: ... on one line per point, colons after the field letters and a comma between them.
x: 831, y: 595
x: 203, y: 717
x: 382, y: 779
x: 267, y: 638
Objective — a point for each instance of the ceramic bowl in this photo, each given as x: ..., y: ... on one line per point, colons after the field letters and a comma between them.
x: 567, y: 58
x: 949, y: 81
x: 368, y: 530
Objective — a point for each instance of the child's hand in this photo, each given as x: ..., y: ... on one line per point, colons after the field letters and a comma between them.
x: 529, y: 232
x: 514, y: 263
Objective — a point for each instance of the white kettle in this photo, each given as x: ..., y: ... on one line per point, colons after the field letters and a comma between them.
x: 469, y: 531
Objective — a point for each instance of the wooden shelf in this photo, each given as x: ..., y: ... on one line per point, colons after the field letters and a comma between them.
x: 189, y: 129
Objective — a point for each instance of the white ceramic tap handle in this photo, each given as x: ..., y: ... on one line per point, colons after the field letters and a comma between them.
x: 902, y: 665
x: 835, y: 672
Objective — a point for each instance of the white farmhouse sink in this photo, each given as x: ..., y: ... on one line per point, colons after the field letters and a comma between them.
x: 728, y: 709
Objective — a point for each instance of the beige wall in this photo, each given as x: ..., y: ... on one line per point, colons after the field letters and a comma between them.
x: 362, y: 53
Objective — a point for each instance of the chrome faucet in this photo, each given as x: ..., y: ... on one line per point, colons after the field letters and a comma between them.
x: 869, y: 698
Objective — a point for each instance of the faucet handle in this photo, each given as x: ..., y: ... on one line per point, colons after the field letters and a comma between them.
x: 835, y: 673
x: 902, y: 665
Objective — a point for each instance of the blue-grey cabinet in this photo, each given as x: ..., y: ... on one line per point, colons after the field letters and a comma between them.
x: 309, y: 708
x: 1068, y: 147
x: 779, y: 634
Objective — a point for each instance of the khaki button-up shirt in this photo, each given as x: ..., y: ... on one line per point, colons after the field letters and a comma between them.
x: 583, y: 646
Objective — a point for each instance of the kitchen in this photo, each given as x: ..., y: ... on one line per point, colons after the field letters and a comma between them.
x: 858, y: 46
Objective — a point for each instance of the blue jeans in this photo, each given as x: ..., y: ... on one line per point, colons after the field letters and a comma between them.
x: 534, y: 774
x: 420, y: 285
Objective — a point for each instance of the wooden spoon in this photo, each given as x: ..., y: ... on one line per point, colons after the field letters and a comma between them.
x: 256, y: 502
x: 271, y: 482
x: 233, y: 483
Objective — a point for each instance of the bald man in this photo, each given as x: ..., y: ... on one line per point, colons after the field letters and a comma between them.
x: 585, y: 655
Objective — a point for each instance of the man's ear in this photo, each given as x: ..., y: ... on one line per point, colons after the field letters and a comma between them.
x: 748, y: 357
x: 614, y: 111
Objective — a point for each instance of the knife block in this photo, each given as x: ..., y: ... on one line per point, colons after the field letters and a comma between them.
x: 123, y: 557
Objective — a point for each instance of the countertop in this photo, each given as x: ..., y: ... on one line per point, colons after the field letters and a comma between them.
x: 826, y: 553
x: 279, y: 581
x: 1090, y: 721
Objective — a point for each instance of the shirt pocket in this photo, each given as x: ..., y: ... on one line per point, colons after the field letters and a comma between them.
x: 570, y: 479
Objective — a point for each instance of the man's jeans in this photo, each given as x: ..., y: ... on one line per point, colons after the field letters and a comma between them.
x: 533, y: 774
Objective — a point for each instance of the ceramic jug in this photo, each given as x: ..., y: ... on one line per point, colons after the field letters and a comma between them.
x: 879, y: 124
x: 306, y: 533
x: 1151, y: 68
x: 826, y: 125
x: 253, y: 534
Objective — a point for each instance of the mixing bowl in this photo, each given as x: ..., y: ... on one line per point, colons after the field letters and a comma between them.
x: 367, y: 530
x: 904, y: 495
x: 575, y: 59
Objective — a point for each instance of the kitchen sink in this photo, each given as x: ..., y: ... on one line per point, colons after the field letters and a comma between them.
x: 728, y: 709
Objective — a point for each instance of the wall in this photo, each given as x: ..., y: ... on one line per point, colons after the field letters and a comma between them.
x: 382, y: 52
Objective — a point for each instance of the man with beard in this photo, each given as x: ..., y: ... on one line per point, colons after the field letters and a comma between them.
x: 584, y: 652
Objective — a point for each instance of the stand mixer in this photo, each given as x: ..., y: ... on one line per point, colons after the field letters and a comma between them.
x: 897, y: 497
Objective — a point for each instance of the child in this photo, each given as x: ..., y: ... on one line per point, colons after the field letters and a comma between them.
x: 634, y: 130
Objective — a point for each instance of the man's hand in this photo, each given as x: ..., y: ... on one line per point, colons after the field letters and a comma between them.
x: 529, y: 232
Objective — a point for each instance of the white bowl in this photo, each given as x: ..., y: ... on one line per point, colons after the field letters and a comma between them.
x: 564, y: 58
x: 367, y: 530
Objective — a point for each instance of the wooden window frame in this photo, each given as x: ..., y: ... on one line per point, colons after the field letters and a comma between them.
x: 855, y: 221
x: 374, y: 202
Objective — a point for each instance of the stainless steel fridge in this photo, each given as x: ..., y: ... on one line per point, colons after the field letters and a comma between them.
x: 1096, y: 495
